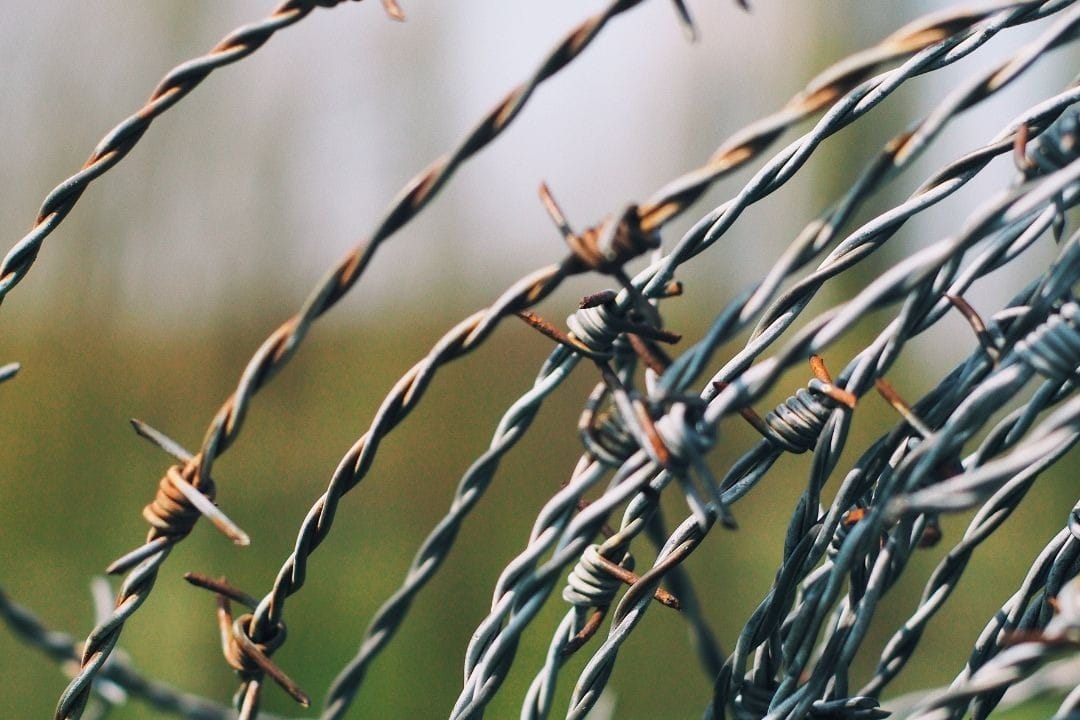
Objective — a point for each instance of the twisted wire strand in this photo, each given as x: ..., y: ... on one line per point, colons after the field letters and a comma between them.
x: 257, y: 379
x: 1061, y: 635
x: 496, y: 646
x: 793, y: 697
x: 1021, y: 613
x: 180, y: 81
x: 522, y: 589
x: 405, y: 395
x: 538, y: 701
x: 1071, y: 273
x: 1029, y: 609
x: 629, y: 613
x: 947, y: 574
x: 818, y: 93
x: 277, y: 349
x: 816, y: 593
x: 1052, y: 439
x: 280, y: 346
x: 796, y: 714
x: 804, y: 419
x: 888, y: 566
x: 945, y: 30
x: 855, y: 484
x: 945, y: 49
x: 63, y: 648
x: 1074, y: 274
x: 403, y: 398
x: 1012, y: 211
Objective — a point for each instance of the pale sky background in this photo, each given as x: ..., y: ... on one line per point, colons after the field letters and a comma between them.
x: 239, y: 198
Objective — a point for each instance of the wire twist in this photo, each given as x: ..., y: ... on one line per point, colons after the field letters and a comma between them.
x: 283, y: 342
x: 498, y: 649
x: 1053, y: 348
x: 180, y: 81
x: 684, y: 432
x: 590, y: 584
x: 170, y: 514
x: 796, y: 424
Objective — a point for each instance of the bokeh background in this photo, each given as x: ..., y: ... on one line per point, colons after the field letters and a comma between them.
x: 149, y: 299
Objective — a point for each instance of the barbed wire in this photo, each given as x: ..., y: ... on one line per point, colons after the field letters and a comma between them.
x: 272, y: 355
x: 484, y: 678
x: 763, y: 698
x: 792, y: 657
x: 741, y: 148
x: 119, y: 679
x: 1019, y: 653
x: 180, y: 81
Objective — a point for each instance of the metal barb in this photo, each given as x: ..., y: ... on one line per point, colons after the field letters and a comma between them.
x: 249, y: 658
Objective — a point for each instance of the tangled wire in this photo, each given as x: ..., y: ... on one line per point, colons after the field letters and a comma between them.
x: 978, y: 440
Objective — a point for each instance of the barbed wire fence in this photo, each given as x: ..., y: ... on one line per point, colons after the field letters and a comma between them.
x: 652, y: 419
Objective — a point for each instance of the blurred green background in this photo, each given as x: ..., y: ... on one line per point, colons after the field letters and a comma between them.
x: 150, y: 298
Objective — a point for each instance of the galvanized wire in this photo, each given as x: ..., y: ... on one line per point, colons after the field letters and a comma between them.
x: 792, y: 657
x: 119, y: 679
x: 1024, y: 636
x: 789, y: 693
x: 493, y: 644
x: 740, y: 149
x: 276, y: 351
x: 180, y: 81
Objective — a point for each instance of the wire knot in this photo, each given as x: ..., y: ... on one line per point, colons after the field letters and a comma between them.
x: 243, y: 653
x: 606, y: 247
x: 591, y: 582
x: 171, y: 514
x: 595, y: 327
x: 684, y: 437
x: 796, y: 423
x: 603, y: 431
x: 250, y: 658
x: 1053, y: 348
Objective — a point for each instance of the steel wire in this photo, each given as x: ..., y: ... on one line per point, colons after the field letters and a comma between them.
x: 743, y: 398
x: 276, y: 350
x: 430, y: 555
x: 119, y: 671
x: 1016, y: 206
x: 897, y: 486
x: 180, y: 81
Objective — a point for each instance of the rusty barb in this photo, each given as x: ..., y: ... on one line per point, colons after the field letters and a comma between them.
x: 604, y: 247
x: 181, y: 498
x: 250, y: 659
x: 595, y: 560
x: 796, y: 423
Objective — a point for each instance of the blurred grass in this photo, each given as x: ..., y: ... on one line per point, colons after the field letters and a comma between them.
x: 75, y: 479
